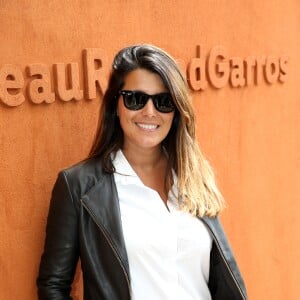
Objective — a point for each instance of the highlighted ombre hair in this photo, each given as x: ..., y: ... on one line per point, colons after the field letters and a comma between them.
x: 198, y: 192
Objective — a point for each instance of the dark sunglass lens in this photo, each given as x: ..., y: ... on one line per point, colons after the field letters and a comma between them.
x: 164, y: 103
x: 130, y: 100
x: 135, y: 100
x: 141, y: 99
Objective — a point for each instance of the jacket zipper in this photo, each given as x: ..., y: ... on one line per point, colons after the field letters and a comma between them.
x: 226, y: 263
x: 111, y: 245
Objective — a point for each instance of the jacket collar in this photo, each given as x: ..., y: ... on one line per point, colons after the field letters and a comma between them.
x: 102, y: 203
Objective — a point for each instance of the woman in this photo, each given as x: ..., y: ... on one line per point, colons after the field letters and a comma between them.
x: 141, y: 211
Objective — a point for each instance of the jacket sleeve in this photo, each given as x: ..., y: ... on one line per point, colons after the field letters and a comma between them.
x: 60, y: 256
x: 225, y: 279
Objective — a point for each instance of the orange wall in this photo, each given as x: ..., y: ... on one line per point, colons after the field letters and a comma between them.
x: 250, y: 134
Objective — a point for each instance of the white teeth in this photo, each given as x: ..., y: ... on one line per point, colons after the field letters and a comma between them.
x: 147, y: 126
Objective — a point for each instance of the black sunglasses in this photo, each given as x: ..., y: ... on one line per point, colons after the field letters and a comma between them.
x: 135, y: 100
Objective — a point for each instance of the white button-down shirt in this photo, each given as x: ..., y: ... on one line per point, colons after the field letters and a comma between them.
x: 168, y: 249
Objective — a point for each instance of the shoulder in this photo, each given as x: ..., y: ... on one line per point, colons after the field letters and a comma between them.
x: 83, y: 176
x: 88, y: 167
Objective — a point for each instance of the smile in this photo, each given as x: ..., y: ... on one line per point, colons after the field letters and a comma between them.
x: 147, y: 126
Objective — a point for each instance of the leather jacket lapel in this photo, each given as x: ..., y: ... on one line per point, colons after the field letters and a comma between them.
x: 103, y: 205
x: 214, y: 226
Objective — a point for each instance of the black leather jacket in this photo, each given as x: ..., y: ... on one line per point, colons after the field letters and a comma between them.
x: 84, y: 221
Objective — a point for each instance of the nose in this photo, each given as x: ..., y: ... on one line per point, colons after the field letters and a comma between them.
x: 149, y: 109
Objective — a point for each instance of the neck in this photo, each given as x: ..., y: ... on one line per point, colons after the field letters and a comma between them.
x: 144, y: 158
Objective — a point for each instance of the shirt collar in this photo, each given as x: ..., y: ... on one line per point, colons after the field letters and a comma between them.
x: 124, y: 173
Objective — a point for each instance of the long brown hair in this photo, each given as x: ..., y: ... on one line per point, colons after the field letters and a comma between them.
x: 198, y: 192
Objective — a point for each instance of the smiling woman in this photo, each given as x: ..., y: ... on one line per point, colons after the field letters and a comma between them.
x: 147, y: 127
x: 144, y: 129
x: 145, y: 177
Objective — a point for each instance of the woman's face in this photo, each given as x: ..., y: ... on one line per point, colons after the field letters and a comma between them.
x: 145, y: 128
